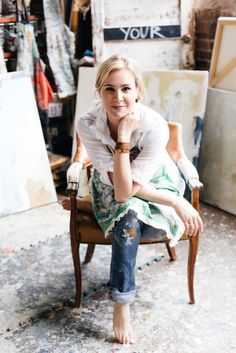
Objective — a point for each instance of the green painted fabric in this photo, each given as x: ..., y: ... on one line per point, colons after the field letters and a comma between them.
x: 107, y: 211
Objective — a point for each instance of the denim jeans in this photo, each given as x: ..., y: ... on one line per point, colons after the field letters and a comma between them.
x: 125, y: 241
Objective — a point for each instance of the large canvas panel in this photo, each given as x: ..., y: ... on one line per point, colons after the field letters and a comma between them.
x: 25, y: 178
x: 180, y: 95
x: 218, y: 166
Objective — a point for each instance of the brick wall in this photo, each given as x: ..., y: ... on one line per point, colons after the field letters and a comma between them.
x: 206, y: 21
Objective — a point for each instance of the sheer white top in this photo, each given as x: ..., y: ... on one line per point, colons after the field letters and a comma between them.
x: 151, y: 138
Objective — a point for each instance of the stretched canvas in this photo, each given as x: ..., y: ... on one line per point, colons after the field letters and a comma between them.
x: 25, y: 178
x: 223, y: 61
x: 218, y: 167
x: 180, y: 95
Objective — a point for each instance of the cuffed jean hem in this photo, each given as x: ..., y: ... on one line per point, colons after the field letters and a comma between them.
x: 119, y: 297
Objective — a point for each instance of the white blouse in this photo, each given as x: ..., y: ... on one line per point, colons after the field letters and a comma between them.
x: 151, y: 138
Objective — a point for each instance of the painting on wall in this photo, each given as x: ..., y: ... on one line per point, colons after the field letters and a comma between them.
x: 178, y: 95
x: 25, y: 179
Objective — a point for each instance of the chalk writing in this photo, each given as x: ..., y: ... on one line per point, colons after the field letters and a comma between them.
x: 136, y: 33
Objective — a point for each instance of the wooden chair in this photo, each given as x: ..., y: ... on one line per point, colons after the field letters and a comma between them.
x: 84, y: 228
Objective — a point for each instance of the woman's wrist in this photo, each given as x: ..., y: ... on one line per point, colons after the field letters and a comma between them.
x: 122, y: 147
x: 174, y: 200
x: 123, y: 136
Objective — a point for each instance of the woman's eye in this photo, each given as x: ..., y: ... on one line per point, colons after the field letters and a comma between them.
x: 126, y: 89
x: 109, y: 89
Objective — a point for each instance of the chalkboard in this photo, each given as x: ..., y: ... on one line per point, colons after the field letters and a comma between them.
x: 144, y: 32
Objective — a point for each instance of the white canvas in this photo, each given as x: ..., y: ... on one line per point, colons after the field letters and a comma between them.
x: 25, y: 178
x: 218, y: 162
x: 223, y: 62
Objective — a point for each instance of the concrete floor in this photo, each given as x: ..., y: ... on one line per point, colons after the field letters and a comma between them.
x: 37, y: 290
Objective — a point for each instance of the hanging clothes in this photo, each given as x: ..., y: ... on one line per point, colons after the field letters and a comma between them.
x: 25, y: 35
x: 3, y: 68
x: 60, y: 48
x: 84, y: 34
x: 28, y: 58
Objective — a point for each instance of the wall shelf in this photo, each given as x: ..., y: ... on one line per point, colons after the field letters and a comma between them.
x: 12, y: 19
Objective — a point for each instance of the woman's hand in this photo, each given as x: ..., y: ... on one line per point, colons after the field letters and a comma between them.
x: 190, y: 217
x: 127, y: 125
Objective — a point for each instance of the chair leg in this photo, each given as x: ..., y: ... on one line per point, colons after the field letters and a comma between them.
x: 193, y: 249
x: 171, y: 252
x: 75, y: 250
x: 89, y: 253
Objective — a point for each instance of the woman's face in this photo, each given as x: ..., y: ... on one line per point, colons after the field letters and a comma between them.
x: 118, y: 94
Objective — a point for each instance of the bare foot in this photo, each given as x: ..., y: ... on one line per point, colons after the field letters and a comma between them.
x: 82, y: 204
x: 121, y: 323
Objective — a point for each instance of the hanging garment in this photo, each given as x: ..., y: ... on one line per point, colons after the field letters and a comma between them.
x: 3, y: 68
x: 25, y: 38
x: 28, y: 59
x: 60, y: 48
x: 43, y: 89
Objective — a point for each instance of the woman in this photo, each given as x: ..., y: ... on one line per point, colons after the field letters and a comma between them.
x: 136, y: 187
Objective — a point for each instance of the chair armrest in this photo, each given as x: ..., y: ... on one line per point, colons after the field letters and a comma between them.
x: 72, y: 187
x: 195, y: 184
x: 79, y: 184
x: 73, y: 176
x: 189, y: 173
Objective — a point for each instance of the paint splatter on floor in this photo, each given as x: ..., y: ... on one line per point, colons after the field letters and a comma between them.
x: 37, y: 291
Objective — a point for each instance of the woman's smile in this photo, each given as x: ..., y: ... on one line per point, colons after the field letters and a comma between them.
x: 118, y: 107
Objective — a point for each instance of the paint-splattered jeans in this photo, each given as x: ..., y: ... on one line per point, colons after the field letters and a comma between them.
x: 125, y: 241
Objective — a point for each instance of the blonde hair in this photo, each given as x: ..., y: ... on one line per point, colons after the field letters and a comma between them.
x: 116, y: 62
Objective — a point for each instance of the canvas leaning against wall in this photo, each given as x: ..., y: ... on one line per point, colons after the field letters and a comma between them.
x: 180, y: 95
x: 218, y: 167
x: 25, y: 178
x: 223, y: 62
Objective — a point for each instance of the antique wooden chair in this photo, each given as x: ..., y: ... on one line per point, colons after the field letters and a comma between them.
x: 84, y: 228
